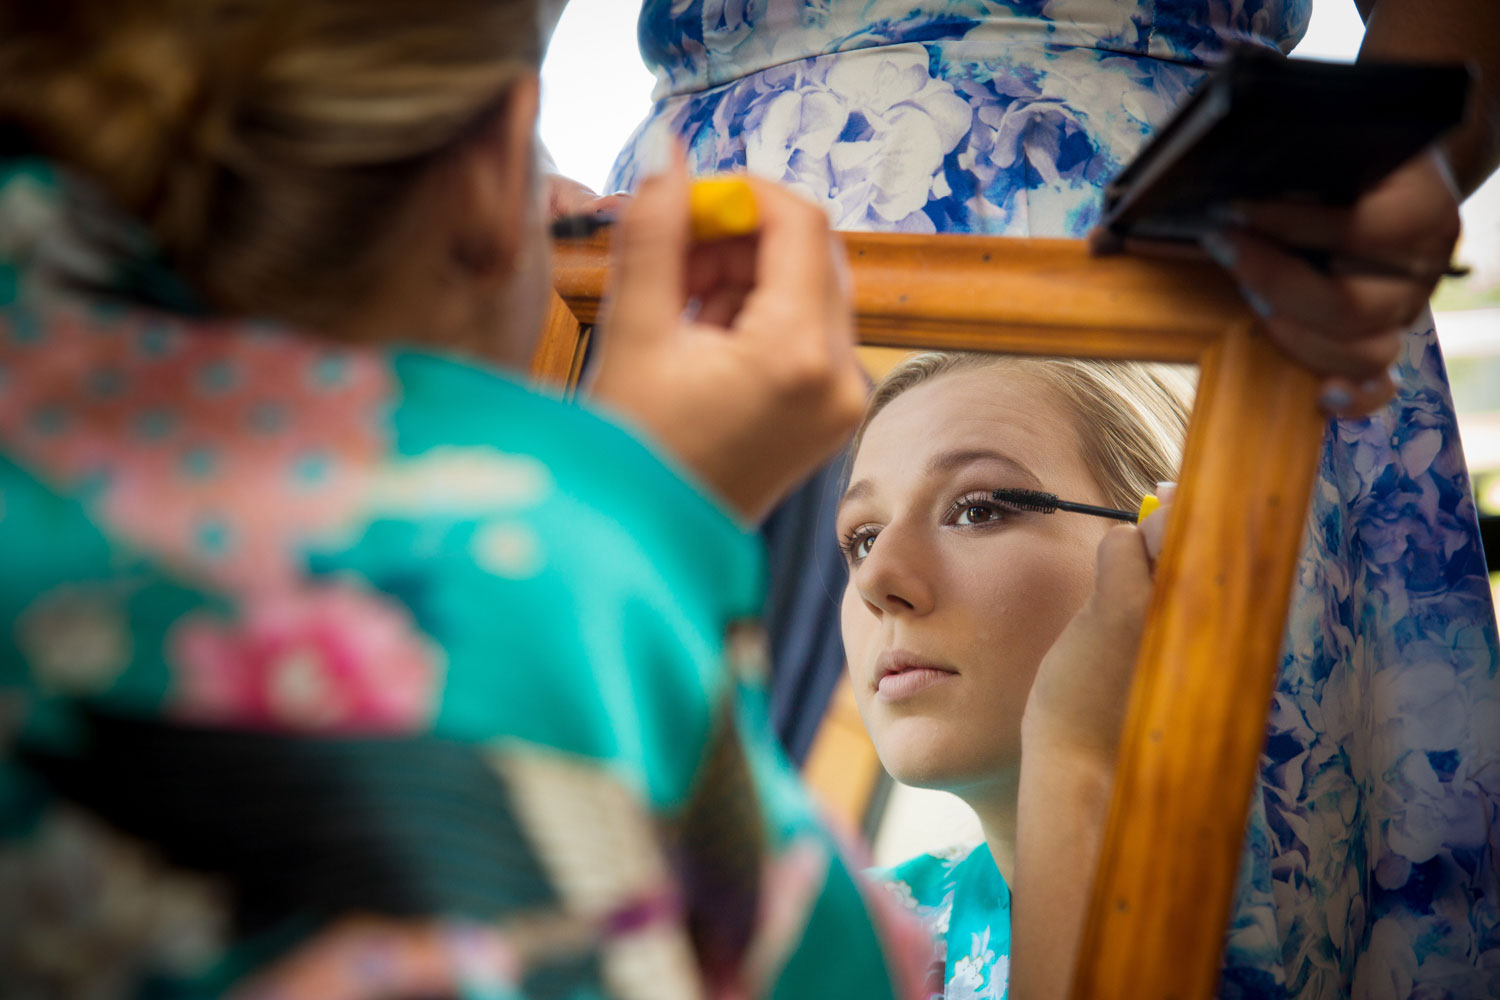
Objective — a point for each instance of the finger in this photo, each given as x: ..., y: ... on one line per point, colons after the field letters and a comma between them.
x: 711, y: 266
x: 566, y: 196
x: 1410, y: 217
x: 1302, y: 224
x: 1343, y: 398
x: 648, y: 250
x: 1123, y: 578
x: 1349, y: 307
x: 800, y: 279
x: 1154, y: 531
x: 794, y: 256
x: 1357, y: 361
x: 720, y: 275
x: 1161, y: 249
x: 720, y: 307
x: 610, y: 204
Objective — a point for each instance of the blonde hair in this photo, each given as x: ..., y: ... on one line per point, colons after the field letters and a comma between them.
x: 267, y: 144
x: 1131, y: 416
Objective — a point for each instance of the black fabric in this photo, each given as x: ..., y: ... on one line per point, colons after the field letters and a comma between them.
x: 298, y: 825
x: 717, y: 844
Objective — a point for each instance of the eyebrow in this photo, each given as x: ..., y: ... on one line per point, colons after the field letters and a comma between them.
x: 946, y: 461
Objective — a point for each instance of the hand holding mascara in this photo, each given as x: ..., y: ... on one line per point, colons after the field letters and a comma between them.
x: 736, y: 355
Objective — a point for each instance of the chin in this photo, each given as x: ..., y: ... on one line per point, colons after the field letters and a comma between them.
x: 927, y: 753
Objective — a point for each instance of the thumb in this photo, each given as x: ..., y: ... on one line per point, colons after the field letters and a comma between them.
x: 1122, y: 588
x: 648, y: 249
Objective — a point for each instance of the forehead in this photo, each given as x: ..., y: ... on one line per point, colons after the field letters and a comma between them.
x: 1001, y: 408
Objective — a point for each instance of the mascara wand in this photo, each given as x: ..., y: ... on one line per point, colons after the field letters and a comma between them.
x: 1048, y: 503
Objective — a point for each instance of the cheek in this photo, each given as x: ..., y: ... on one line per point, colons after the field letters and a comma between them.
x: 861, y: 634
x: 856, y: 625
x: 526, y: 296
x: 1020, y: 599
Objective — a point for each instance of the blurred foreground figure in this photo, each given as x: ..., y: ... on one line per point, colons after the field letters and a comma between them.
x: 332, y: 662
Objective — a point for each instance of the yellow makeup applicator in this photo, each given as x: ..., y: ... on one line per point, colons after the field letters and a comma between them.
x: 720, y: 207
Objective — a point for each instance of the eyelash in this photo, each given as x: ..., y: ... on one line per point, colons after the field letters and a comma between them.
x: 981, y: 499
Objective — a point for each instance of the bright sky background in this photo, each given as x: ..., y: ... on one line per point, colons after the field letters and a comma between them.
x: 595, y: 89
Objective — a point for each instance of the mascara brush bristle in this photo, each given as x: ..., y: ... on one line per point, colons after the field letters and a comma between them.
x: 1035, y: 500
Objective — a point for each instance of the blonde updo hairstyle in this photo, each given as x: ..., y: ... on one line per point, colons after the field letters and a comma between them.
x: 1131, y: 417
x: 271, y: 146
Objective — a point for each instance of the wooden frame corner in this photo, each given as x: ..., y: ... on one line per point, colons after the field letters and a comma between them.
x: 1195, y: 726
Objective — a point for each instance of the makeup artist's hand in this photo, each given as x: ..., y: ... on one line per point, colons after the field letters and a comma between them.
x: 566, y: 197
x: 1076, y: 708
x: 736, y: 355
x: 1349, y: 327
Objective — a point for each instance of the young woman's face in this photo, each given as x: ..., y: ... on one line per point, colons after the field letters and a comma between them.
x: 952, y: 599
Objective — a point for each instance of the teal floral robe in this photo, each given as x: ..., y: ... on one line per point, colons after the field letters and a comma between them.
x: 962, y: 899
x: 291, y: 631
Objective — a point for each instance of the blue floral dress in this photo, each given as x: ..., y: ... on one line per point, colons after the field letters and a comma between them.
x: 1372, y: 863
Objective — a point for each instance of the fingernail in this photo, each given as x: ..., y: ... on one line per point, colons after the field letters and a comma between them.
x: 1335, y: 398
x: 1219, y: 247
x: 1154, y: 531
x: 1258, y: 305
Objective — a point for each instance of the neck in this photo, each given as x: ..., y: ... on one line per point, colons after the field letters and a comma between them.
x: 995, y: 804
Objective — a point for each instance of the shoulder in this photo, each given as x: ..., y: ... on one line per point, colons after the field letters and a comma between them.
x: 592, y: 492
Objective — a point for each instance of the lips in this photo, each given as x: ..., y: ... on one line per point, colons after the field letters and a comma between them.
x: 900, y: 674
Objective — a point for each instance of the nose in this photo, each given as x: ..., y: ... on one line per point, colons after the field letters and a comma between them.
x: 895, y: 578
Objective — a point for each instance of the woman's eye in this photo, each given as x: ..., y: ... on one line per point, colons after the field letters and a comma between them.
x: 975, y: 509
x: 975, y: 514
x: 857, y: 544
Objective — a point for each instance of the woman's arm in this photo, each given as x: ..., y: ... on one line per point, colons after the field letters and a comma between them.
x: 1448, y: 31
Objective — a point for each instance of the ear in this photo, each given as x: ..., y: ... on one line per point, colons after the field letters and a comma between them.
x: 500, y: 192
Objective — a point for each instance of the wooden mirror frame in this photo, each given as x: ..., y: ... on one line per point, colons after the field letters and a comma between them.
x: 1196, y: 722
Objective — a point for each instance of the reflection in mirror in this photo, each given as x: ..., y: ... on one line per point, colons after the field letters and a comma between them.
x: 963, y: 610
